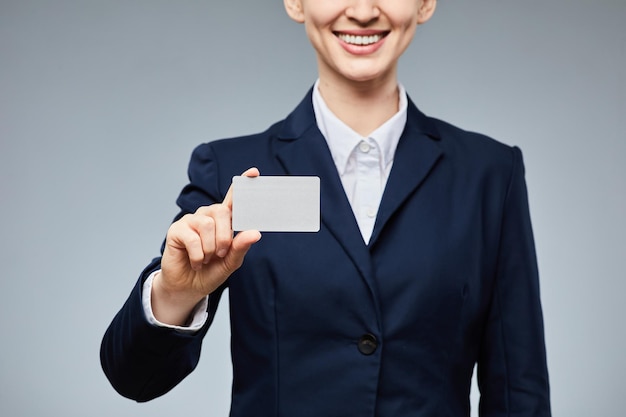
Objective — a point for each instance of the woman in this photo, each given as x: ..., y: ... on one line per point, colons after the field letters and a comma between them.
x: 424, y: 264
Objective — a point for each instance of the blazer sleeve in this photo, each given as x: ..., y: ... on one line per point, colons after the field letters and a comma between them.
x: 512, y: 369
x: 143, y: 361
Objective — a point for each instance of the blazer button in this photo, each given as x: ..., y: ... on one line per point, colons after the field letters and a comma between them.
x: 367, y: 344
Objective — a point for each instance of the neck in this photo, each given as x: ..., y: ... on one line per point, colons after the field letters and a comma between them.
x: 364, y: 106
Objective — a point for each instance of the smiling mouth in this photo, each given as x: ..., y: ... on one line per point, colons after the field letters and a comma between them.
x: 360, y: 40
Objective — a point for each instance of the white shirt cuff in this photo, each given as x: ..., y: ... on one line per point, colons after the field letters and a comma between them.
x: 199, y: 315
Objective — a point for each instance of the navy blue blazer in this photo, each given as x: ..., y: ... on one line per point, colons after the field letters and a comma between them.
x: 325, y: 325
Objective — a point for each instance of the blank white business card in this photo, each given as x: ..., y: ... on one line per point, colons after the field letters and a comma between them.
x: 276, y: 203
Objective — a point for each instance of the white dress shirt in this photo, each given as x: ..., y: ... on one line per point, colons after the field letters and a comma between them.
x: 363, y: 164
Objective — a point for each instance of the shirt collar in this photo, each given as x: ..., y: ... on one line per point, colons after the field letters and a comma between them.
x: 342, y: 139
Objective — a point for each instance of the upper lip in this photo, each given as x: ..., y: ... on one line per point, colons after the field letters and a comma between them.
x: 361, y: 32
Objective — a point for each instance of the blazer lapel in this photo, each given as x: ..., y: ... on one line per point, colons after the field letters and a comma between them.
x: 302, y: 150
x: 417, y: 153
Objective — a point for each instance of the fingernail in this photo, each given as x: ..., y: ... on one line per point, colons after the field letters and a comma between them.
x: 221, y: 253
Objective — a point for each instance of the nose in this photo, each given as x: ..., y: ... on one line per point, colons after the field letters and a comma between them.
x: 363, y: 11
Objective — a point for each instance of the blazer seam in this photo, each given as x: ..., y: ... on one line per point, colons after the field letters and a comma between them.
x: 276, y: 357
x: 497, y: 284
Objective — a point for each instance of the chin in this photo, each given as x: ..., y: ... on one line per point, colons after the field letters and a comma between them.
x: 367, y: 76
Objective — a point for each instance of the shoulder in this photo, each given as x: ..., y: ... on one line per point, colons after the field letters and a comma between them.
x: 455, y: 136
x: 235, y: 154
x: 219, y: 160
x: 237, y: 150
x: 480, y: 164
x: 457, y: 143
x: 238, y: 145
x: 475, y: 150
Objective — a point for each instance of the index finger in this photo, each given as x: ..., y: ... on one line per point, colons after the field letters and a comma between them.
x: 228, y: 199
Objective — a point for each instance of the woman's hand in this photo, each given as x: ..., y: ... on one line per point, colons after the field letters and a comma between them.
x: 200, y: 254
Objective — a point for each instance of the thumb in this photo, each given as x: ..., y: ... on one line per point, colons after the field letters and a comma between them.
x: 240, y: 246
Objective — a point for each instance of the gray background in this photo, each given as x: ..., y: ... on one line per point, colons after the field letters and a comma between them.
x: 101, y: 103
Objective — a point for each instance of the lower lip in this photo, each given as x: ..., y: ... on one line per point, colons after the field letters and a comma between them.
x: 361, y: 49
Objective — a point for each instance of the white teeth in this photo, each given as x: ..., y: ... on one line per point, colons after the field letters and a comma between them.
x: 360, y: 40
